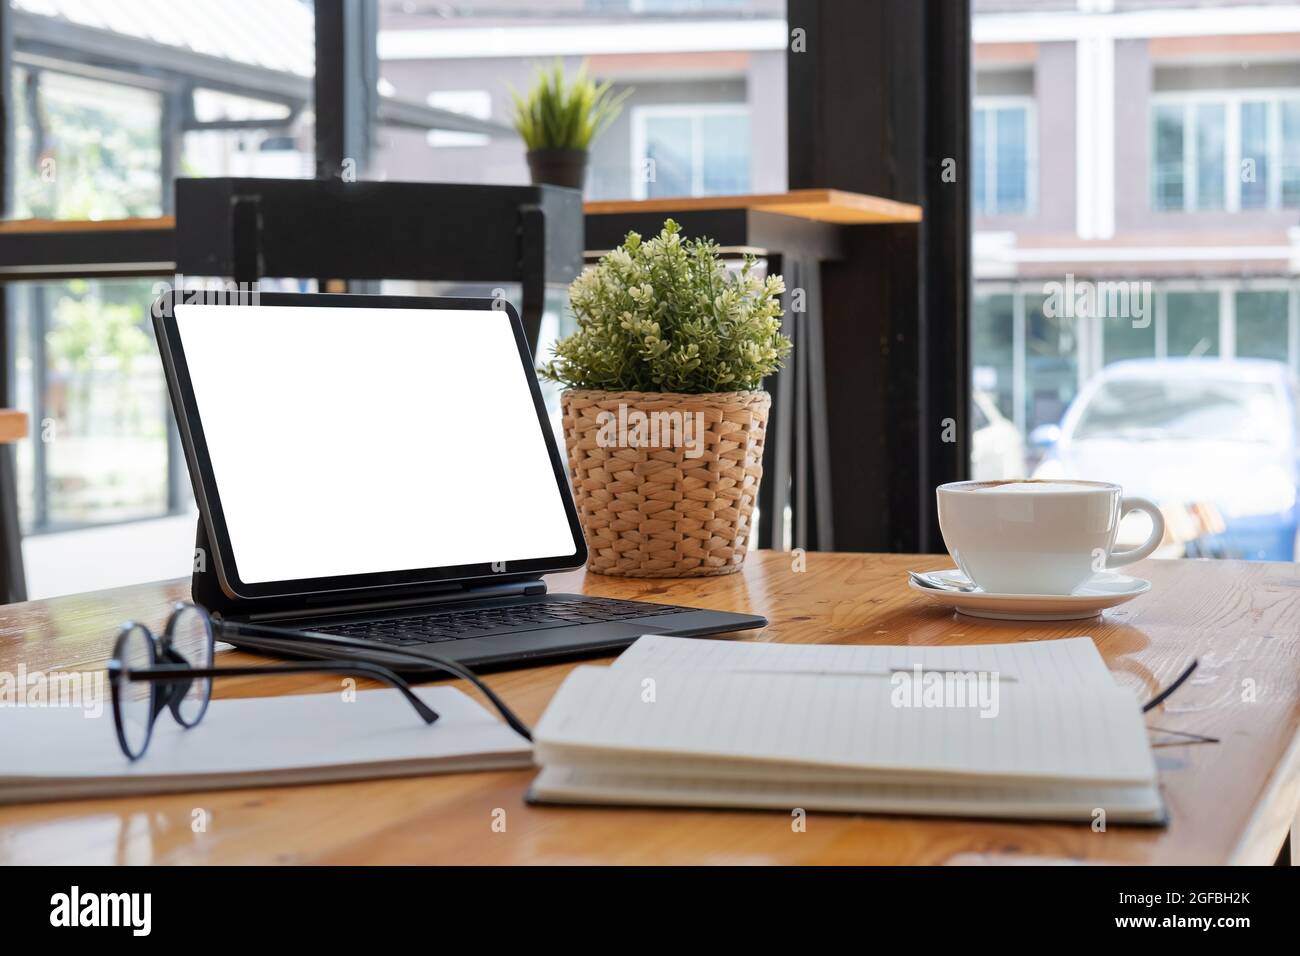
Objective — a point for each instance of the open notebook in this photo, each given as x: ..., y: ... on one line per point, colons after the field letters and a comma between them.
x: 63, y: 754
x: 1028, y: 730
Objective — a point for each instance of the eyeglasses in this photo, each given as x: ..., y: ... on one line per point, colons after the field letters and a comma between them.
x: 149, y: 674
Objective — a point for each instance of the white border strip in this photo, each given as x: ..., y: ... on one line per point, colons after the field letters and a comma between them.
x: 1141, y: 253
x: 696, y: 36
x: 706, y: 36
x: 1137, y: 24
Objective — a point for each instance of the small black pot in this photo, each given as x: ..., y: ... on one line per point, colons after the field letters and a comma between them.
x: 558, y: 167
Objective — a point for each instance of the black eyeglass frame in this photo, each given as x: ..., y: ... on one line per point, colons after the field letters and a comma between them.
x: 170, y: 680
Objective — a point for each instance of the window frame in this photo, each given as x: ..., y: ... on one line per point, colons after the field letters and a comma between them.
x: 1232, y: 101
x: 989, y: 104
x: 692, y: 111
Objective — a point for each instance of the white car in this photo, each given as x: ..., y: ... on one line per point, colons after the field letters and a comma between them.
x: 1214, y: 442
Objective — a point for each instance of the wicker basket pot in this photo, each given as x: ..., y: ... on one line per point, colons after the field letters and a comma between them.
x: 665, y: 483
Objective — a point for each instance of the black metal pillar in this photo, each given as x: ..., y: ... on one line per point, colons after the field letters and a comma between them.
x: 879, y: 103
x: 347, y: 76
x: 6, y: 108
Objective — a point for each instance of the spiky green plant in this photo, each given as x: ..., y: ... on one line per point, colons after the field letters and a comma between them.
x: 667, y: 315
x: 565, y: 114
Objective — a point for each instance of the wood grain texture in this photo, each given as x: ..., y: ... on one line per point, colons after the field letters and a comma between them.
x: 13, y: 425
x: 1228, y: 802
x: 821, y: 205
x: 35, y: 226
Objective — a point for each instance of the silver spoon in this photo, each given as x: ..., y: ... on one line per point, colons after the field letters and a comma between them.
x: 927, y: 580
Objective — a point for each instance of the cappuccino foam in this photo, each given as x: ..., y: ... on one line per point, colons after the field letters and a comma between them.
x: 1038, y: 487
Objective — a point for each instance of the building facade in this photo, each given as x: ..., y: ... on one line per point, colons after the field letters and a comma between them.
x: 1153, y: 147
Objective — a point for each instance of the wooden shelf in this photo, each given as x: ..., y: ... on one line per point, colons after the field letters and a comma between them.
x: 42, y: 226
x: 47, y: 250
x: 13, y: 425
x: 819, y: 205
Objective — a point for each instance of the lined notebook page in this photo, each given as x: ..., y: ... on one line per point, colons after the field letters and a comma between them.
x: 1073, y: 660
x: 1084, y: 731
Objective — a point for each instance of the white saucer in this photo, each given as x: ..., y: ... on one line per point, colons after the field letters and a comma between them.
x: 1104, y: 589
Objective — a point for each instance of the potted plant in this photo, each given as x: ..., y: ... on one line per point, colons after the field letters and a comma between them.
x: 558, y: 120
x: 663, y: 411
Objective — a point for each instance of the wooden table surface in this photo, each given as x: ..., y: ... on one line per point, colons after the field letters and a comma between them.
x: 1228, y: 802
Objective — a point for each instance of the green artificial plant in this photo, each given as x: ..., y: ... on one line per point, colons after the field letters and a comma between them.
x: 565, y: 114
x: 667, y: 315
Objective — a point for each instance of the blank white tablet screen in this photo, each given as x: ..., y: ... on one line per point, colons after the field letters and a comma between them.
x: 350, y: 441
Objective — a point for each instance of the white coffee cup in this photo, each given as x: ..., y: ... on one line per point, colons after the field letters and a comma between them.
x: 1036, y: 536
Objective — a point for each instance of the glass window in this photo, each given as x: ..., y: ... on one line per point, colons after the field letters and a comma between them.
x: 1190, y: 162
x: 724, y: 155
x: 668, y: 148
x: 1167, y: 176
x: 712, y: 119
x: 282, y: 148
x: 85, y: 149
x: 1012, y: 158
x: 1262, y: 325
x: 1191, y: 324
x: 104, y: 114
x: 994, y: 347
x: 1122, y: 340
x: 1211, y: 151
x: 1254, y: 155
x: 474, y: 103
x: 1051, y: 364
x: 90, y: 379
x: 1001, y: 157
x: 1289, y: 166
x: 693, y: 151
x: 1203, y: 221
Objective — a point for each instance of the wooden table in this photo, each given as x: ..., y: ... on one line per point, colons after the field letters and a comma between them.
x: 1231, y: 802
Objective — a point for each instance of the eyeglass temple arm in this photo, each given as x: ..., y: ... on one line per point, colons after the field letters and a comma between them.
x: 427, y: 713
x: 1161, y: 697
x: 459, y: 670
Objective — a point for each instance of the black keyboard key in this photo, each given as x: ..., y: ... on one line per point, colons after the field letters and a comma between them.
x: 452, y: 625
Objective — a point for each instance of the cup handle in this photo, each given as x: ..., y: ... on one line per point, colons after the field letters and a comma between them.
x: 1128, y: 506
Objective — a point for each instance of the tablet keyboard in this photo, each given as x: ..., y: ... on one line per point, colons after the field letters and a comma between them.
x: 479, y: 622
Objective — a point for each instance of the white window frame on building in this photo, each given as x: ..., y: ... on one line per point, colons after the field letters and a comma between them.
x: 987, y: 165
x: 696, y: 113
x: 1232, y: 101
